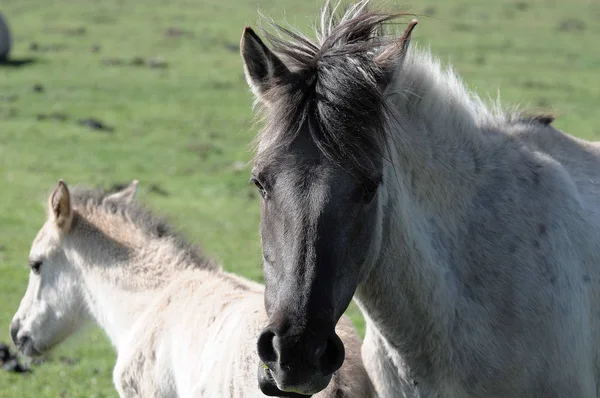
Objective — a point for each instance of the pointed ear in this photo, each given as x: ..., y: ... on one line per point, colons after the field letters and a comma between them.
x: 126, y: 194
x: 261, y: 65
x: 60, y: 206
x: 395, y: 50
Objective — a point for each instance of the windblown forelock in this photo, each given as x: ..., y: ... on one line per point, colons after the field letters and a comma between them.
x: 334, y: 91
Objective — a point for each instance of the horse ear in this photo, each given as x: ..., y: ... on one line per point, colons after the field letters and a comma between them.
x: 395, y: 50
x: 261, y: 65
x: 126, y: 194
x: 60, y: 206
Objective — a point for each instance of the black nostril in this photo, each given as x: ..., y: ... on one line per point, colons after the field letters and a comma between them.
x: 266, y: 350
x: 23, y: 340
x: 317, y: 353
x: 333, y: 357
x: 14, y: 330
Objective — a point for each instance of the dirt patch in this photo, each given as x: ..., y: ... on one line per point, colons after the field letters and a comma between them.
x: 220, y: 85
x: 37, y: 47
x: 430, y: 11
x: 104, y: 20
x: 9, y: 98
x: 204, y: 149
x: 68, y: 361
x: 95, y: 124
x: 91, y: 122
x: 174, y: 32
x: 8, y: 113
x: 157, y: 189
x: 153, y: 62
x: 522, y: 5
x: 462, y: 27
x: 57, y: 116
x: 68, y: 31
x: 232, y: 47
x: 572, y: 25
x: 157, y: 63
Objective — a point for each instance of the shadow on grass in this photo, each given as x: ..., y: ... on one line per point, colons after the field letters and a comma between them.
x: 17, y: 63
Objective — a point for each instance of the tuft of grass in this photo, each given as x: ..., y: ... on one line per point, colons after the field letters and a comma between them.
x: 119, y: 90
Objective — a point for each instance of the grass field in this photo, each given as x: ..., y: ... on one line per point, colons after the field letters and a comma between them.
x: 167, y: 77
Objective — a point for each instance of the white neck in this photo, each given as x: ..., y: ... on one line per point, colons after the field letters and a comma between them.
x: 437, y: 149
x: 440, y: 131
x: 119, y: 284
x: 114, y: 308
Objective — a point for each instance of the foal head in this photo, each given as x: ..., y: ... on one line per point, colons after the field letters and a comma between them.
x: 319, y: 167
x: 53, y: 306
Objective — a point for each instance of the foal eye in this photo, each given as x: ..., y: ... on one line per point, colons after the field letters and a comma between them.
x: 258, y: 186
x: 35, y: 266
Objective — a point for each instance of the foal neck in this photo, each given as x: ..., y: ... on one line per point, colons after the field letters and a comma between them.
x: 125, y: 269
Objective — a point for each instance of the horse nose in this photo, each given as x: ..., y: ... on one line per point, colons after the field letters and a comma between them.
x: 14, y: 331
x: 327, y: 354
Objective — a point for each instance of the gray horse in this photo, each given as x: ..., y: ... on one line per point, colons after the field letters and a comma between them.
x: 469, y: 236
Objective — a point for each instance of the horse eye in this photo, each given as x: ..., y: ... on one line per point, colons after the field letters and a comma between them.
x: 369, y: 192
x: 259, y: 186
x: 35, y: 266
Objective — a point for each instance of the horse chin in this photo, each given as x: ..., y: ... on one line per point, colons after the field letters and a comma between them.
x: 268, y: 385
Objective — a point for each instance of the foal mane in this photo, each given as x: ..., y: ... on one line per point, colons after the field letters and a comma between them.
x: 335, y: 88
x: 87, y: 201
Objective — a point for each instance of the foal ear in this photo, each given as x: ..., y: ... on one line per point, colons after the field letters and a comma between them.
x: 126, y: 194
x: 60, y: 206
x: 261, y: 65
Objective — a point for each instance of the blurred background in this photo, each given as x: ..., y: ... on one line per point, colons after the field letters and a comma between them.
x: 100, y: 93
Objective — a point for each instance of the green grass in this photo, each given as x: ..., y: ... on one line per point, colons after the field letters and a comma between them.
x: 186, y: 128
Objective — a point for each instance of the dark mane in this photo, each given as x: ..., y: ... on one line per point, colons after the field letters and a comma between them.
x: 335, y: 89
x: 542, y: 118
x: 88, y: 199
